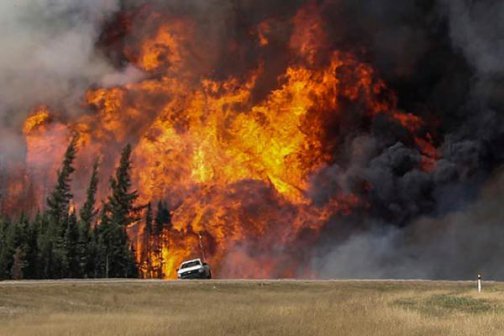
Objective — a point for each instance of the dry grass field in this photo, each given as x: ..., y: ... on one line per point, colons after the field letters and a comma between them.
x: 250, y: 308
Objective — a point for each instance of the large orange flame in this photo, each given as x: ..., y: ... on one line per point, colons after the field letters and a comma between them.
x: 236, y: 171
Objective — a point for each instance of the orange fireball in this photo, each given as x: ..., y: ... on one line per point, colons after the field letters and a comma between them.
x: 235, y: 169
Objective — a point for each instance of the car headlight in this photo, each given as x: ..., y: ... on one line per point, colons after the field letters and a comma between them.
x: 201, y: 270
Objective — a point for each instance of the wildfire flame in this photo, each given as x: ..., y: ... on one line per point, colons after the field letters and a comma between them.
x: 236, y: 171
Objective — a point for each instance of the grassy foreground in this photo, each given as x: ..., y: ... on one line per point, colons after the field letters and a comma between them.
x: 250, y: 308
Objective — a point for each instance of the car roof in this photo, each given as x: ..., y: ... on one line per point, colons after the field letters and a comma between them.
x: 188, y: 261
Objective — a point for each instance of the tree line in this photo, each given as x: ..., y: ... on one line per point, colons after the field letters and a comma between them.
x: 62, y: 242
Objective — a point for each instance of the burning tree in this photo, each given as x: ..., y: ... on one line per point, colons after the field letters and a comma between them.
x: 87, y: 223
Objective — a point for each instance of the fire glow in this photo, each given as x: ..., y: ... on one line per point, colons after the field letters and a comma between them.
x: 234, y: 169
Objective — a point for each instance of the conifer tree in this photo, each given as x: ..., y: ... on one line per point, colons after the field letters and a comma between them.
x: 122, y: 200
x: 146, y: 243
x: 118, y: 258
x: 31, y: 250
x: 6, y: 248
x: 45, y: 247
x: 101, y: 235
x: 101, y: 261
x: 88, y: 211
x: 88, y: 263
x: 12, y: 248
x: 114, y: 248
x: 162, y: 222
x: 53, y: 243
x: 71, y: 248
x: 58, y: 201
x: 163, y: 218
x: 86, y: 245
x: 26, y: 249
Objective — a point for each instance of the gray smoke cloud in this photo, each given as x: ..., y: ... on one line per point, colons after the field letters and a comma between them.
x: 49, y: 51
x: 459, y: 232
x: 455, y: 246
x: 477, y: 28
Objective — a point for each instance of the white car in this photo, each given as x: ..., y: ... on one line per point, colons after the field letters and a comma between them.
x: 194, y: 269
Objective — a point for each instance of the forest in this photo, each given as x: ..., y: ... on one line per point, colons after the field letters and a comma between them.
x: 92, y: 242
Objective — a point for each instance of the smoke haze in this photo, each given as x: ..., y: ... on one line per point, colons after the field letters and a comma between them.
x: 49, y: 52
x: 455, y: 246
x: 460, y: 231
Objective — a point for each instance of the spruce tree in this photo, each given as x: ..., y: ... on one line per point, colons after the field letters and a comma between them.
x: 122, y: 200
x: 3, y: 229
x: 45, y: 247
x: 101, y: 261
x: 31, y: 250
x: 120, y: 212
x: 86, y: 245
x: 146, y: 244
x: 162, y: 222
x: 114, y: 248
x: 58, y: 202
x: 25, y: 256
x: 6, y: 248
x: 88, y: 211
x: 12, y: 254
x: 71, y: 248
x: 163, y: 218
x: 88, y: 263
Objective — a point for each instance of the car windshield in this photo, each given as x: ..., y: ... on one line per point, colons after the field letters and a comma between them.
x: 191, y: 264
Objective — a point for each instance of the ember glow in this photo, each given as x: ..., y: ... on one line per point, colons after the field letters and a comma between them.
x: 235, y: 169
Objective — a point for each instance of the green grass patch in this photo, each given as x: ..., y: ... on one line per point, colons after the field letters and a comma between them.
x: 459, y: 303
x: 441, y: 305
